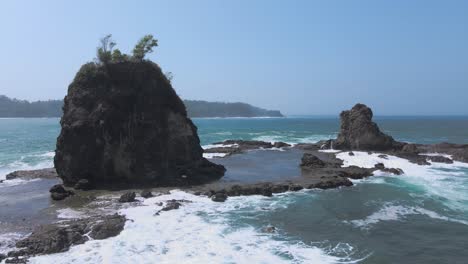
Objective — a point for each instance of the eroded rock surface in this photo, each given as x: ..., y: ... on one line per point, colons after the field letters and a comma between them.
x: 59, y: 237
x: 123, y: 124
x: 358, y: 132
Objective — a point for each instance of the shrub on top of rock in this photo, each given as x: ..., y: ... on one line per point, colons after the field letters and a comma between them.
x: 123, y: 125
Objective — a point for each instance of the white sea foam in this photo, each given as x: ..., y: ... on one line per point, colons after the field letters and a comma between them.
x: 68, y: 213
x: 330, y: 150
x: 392, y: 212
x: 219, y: 146
x: 214, y: 155
x: 8, y: 240
x: 447, y: 181
x: 20, y: 165
x: 198, y: 232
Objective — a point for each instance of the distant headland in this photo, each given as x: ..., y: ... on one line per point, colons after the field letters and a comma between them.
x: 10, y: 107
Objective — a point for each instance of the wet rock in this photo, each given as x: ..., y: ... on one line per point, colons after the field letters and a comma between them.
x: 358, y: 132
x: 127, y: 197
x: 381, y: 167
x: 355, y: 172
x: 295, y: 187
x: 332, y: 182
x: 351, y: 153
x: 82, y: 184
x: 279, y: 188
x: 311, y: 161
x: 410, y: 148
x: 109, y: 226
x: 2, y: 257
x: 281, y: 145
x: 58, y: 192
x: 124, y: 126
x: 48, y: 173
x: 59, y: 237
x: 269, y: 229
x: 219, y: 197
x: 383, y: 156
x: 440, y: 159
x: 171, y: 205
x: 146, y: 194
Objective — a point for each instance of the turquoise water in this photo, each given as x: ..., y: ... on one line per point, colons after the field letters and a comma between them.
x: 420, y: 217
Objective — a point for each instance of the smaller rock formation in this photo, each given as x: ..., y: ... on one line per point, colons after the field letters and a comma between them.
x: 58, y: 192
x: 127, y: 197
x: 146, y: 194
x: 219, y: 197
x: 358, y: 132
x: 59, y: 237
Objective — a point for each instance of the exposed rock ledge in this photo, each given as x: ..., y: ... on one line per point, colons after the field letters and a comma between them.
x: 59, y: 237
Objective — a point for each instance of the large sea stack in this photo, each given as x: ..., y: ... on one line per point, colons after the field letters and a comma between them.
x: 358, y: 132
x: 124, y: 125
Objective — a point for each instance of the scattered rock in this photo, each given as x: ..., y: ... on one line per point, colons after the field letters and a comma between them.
x: 123, y: 125
x: 358, y: 132
x: 127, y: 197
x: 58, y: 192
x: 146, y: 194
x: 351, y: 153
x: 219, y: 197
x: 383, y: 156
x: 82, y: 184
x: 440, y: 159
x: 171, y: 205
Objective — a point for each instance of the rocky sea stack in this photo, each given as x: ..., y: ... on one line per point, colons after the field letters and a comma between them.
x: 358, y: 132
x: 124, y: 125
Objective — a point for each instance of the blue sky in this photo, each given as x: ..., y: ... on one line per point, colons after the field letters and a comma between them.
x: 301, y: 57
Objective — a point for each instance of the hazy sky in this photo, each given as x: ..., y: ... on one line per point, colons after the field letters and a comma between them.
x: 301, y: 57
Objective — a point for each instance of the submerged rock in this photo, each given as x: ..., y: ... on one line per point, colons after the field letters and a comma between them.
x: 124, y: 125
x: 127, y: 197
x: 358, y: 132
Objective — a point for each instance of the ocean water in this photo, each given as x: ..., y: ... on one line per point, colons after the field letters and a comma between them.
x: 418, y: 217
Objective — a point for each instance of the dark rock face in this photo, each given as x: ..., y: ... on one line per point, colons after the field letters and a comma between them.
x: 127, y: 197
x: 58, y: 192
x: 358, y: 132
x: 123, y: 124
x: 60, y: 237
